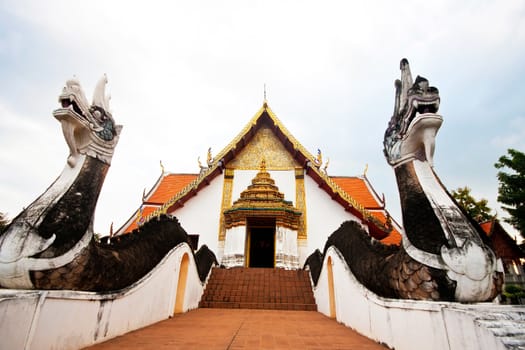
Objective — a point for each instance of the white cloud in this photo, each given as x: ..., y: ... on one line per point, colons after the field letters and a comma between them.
x: 185, y: 76
x: 29, y: 158
x: 512, y: 135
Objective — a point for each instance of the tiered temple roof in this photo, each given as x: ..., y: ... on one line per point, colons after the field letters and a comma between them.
x: 355, y: 194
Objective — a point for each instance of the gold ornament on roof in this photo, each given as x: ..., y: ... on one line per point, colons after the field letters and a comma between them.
x: 319, y: 159
x: 264, y: 143
x: 209, y: 158
x: 262, y: 199
x: 326, y: 166
x: 201, y: 167
x: 262, y: 168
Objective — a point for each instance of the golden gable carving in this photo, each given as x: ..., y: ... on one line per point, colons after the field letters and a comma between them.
x: 264, y: 144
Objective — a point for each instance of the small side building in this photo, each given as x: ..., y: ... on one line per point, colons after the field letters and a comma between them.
x: 507, y: 249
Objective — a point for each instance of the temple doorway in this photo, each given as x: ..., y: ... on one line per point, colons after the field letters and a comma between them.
x: 261, y: 243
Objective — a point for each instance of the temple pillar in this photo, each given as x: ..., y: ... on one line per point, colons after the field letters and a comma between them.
x: 286, y: 254
x: 234, y: 247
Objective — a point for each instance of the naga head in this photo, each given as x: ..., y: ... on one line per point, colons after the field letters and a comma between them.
x: 412, y: 129
x: 88, y: 128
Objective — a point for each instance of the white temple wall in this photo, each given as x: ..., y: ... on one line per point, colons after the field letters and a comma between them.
x: 404, y: 324
x: 50, y: 319
x: 201, y: 214
x: 324, y: 216
x: 286, y: 250
x: 234, y: 247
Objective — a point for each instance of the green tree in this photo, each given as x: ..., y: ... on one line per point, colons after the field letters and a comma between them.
x: 4, y: 221
x: 478, y: 210
x: 511, y: 191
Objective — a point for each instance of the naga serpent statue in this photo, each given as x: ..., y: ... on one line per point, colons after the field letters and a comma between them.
x: 51, y: 245
x: 444, y: 254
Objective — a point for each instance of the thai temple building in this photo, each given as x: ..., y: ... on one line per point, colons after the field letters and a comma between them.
x: 264, y: 200
x: 261, y: 225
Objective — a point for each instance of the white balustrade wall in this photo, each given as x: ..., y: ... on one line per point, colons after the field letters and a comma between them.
x: 410, y: 324
x: 73, y: 320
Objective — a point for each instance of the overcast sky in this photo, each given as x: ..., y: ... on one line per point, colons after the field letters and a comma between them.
x: 188, y: 75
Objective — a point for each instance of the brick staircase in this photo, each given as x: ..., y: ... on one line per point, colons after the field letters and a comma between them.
x: 259, y: 288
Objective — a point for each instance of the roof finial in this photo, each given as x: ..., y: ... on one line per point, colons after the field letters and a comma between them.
x: 209, y: 158
x: 319, y: 159
x: 265, y: 102
x: 326, y: 166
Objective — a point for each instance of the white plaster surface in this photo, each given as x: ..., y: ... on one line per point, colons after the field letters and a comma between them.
x: 234, y: 247
x: 409, y: 324
x: 72, y: 320
x: 324, y: 216
x: 286, y: 252
x: 201, y: 214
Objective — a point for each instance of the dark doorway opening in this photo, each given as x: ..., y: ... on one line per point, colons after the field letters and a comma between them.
x: 261, y: 243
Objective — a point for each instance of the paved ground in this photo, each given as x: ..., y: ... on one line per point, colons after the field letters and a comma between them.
x: 243, y: 329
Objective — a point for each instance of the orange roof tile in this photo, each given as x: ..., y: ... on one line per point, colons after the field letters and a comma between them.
x: 379, y: 215
x: 166, y: 187
x: 357, y: 188
x: 145, y: 212
x: 169, y: 185
x: 487, y: 227
x: 394, y: 238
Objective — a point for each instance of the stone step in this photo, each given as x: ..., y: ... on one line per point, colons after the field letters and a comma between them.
x: 259, y: 288
x: 508, y: 326
x: 502, y: 328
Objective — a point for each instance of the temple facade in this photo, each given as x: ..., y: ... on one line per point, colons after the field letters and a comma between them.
x: 264, y: 200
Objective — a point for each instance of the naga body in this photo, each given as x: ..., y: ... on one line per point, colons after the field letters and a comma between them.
x: 51, y: 245
x: 444, y: 254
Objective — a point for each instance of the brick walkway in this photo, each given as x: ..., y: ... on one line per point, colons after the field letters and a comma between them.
x: 243, y: 329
